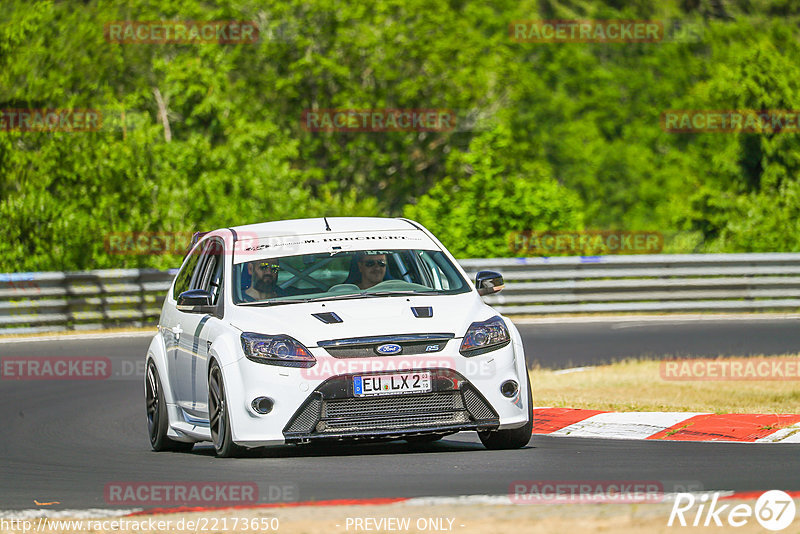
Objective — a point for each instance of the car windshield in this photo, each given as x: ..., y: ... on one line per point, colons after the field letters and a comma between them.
x: 345, y: 275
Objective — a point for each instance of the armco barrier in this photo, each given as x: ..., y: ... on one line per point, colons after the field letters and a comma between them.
x: 50, y: 301
x: 645, y: 283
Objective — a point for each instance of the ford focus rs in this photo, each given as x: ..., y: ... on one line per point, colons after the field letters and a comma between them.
x: 360, y: 329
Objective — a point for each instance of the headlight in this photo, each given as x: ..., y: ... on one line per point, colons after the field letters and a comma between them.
x: 276, y: 350
x: 485, y: 336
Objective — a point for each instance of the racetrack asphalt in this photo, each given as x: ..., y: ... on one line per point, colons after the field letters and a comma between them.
x: 64, y: 441
x: 575, y: 342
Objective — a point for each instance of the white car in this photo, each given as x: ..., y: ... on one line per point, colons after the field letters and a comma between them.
x: 347, y: 328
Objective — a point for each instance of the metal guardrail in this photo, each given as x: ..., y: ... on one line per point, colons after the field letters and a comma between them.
x: 86, y: 300
x: 645, y: 283
x: 51, y: 301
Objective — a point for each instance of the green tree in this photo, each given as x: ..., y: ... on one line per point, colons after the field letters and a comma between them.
x: 475, y: 210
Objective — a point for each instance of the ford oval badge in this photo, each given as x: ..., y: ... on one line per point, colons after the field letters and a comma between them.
x: 389, y: 348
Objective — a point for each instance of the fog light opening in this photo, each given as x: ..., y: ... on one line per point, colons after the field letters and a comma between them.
x: 509, y: 388
x: 262, y: 405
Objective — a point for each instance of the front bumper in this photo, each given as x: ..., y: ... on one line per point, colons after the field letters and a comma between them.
x: 331, y: 379
x: 332, y: 411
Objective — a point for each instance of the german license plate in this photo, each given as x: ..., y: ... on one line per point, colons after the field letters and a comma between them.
x: 364, y: 386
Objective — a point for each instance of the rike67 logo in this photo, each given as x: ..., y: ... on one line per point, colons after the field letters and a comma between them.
x: 774, y: 510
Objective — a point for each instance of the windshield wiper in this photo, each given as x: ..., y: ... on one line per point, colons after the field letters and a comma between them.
x: 336, y: 297
x: 269, y: 302
x: 342, y: 297
x: 402, y: 293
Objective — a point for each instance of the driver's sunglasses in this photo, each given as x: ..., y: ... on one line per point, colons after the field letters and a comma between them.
x: 371, y: 263
x: 271, y: 266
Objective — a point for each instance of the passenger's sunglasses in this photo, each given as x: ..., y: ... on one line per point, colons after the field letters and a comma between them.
x: 269, y: 266
x: 371, y: 263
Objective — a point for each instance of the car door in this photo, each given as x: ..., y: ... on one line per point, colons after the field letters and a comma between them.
x: 208, y: 329
x: 192, y: 348
x: 172, y: 320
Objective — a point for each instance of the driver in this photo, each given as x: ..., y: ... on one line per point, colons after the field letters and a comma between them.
x: 264, y: 281
x: 372, y: 268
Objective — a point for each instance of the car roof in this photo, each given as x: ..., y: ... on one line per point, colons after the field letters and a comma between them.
x: 321, y: 225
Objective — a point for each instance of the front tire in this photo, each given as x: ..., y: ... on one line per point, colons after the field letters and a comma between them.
x: 514, y: 438
x: 219, y: 421
x: 157, y: 419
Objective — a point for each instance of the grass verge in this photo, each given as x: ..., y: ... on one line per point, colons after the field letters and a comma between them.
x: 638, y: 385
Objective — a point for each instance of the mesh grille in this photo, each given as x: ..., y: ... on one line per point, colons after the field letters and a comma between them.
x: 397, y: 422
x: 376, y: 406
x: 392, y: 413
x: 307, y: 419
x: 476, y: 406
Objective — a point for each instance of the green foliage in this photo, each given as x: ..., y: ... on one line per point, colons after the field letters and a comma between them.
x: 746, y: 186
x: 476, y: 208
x: 567, y: 135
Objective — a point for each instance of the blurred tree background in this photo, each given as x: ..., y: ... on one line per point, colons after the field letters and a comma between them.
x: 562, y: 135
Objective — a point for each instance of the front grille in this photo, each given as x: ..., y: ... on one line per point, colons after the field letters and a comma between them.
x: 387, y: 413
x: 477, y: 406
x: 376, y: 406
x: 306, y: 420
x: 332, y: 412
x: 397, y: 422
x: 411, y: 344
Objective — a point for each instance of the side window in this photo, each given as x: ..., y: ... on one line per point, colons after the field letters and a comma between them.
x: 209, y: 277
x: 184, y: 277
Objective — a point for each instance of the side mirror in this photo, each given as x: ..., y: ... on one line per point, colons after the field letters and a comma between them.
x: 195, y: 301
x: 489, y: 282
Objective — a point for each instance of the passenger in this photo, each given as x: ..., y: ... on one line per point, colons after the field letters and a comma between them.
x: 372, y: 268
x: 263, y: 281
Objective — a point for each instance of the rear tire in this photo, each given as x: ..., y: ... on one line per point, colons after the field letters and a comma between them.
x: 514, y: 438
x: 157, y: 419
x: 218, y: 419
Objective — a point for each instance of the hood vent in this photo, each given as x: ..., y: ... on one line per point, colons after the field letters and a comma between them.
x: 328, y: 317
x: 422, y: 312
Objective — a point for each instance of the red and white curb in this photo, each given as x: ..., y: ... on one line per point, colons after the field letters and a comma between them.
x: 671, y: 426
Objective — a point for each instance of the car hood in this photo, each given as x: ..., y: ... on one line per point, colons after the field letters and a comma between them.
x: 378, y: 316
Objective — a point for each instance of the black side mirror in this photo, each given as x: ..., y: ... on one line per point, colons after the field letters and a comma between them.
x: 489, y: 282
x: 195, y: 301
